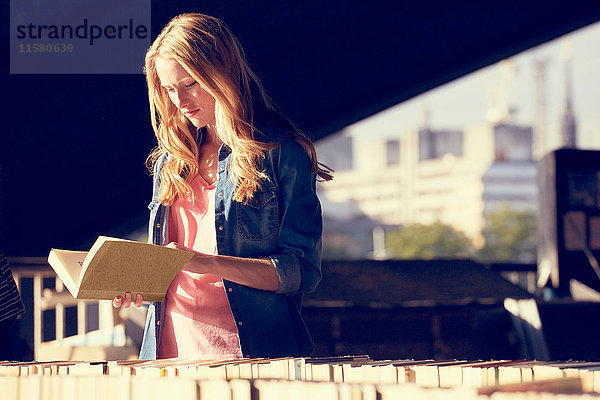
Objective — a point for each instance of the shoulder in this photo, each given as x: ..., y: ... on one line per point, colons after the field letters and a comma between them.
x: 274, y: 128
x: 160, y: 162
x: 271, y: 127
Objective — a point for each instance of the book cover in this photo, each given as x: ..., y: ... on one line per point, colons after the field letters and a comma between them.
x: 113, y: 266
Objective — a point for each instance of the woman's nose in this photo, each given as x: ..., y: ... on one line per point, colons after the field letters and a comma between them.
x: 180, y: 99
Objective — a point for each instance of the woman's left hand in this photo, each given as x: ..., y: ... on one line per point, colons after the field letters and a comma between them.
x: 126, y: 301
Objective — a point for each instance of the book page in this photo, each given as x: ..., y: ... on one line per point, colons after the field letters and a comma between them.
x: 68, y: 265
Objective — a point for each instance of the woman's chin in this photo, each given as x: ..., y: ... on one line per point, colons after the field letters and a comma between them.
x: 198, y: 124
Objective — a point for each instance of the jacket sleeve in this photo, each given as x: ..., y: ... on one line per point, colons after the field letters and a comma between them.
x: 298, y: 266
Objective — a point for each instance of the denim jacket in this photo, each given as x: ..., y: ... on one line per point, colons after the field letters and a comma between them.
x: 282, y: 221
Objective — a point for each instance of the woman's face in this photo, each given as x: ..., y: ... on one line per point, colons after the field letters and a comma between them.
x: 188, y: 96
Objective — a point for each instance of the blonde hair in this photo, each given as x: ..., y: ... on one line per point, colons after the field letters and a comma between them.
x: 210, y: 53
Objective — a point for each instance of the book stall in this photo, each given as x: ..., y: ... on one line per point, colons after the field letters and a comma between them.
x: 336, y: 378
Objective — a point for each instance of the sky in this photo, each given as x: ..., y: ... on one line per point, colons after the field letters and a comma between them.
x: 464, y: 102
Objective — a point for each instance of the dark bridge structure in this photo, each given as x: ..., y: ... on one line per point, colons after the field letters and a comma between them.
x: 73, y: 146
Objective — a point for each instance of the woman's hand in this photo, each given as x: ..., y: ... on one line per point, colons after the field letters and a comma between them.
x: 125, y: 301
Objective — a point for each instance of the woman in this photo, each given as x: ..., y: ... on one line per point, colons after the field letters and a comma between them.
x: 235, y: 183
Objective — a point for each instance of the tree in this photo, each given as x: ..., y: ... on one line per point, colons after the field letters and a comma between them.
x: 510, y: 236
x: 418, y: 241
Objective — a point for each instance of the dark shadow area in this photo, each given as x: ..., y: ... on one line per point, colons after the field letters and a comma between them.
x: 463, y: 332
x: 443, y: 309
x: 440, y: 309
x: 571, y: 329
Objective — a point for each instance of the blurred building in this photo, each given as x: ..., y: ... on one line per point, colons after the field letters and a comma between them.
x: 426, y: 175
x: 568, y: 131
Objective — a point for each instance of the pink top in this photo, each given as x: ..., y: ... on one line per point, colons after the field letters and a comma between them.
x: 198, y: 321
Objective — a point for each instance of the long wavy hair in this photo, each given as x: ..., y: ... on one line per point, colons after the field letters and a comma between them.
x: 210, y: 53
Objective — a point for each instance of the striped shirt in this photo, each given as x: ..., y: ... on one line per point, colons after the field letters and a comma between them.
x: 11, y: 305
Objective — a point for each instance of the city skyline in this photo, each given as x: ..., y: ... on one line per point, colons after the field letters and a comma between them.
x: 465, y: 101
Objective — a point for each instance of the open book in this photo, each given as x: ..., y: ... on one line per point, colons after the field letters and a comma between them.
x: 113, y: 266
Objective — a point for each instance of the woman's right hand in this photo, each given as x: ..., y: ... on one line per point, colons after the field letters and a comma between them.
x: 125, y: 301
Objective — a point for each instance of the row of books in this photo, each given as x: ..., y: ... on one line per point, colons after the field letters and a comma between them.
x: 134, y: 387
x: 104, y: 387
x: 338, y: 377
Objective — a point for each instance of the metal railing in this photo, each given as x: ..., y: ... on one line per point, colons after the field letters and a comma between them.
x: 110, y: 323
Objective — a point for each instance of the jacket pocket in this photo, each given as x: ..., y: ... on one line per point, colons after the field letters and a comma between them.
x: 259, y: 219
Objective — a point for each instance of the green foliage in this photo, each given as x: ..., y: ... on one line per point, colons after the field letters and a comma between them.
x: 418, y: 241
x: 510, y: 236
